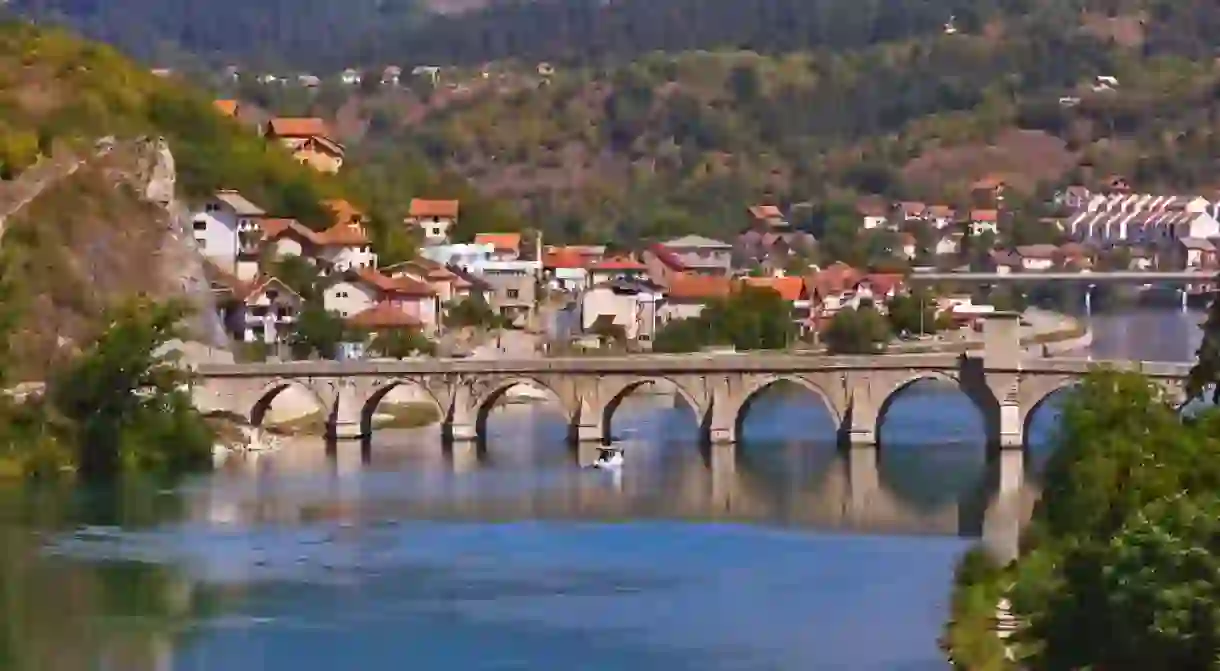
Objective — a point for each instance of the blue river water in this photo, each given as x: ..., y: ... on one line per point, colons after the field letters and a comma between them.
x: 523, y: 561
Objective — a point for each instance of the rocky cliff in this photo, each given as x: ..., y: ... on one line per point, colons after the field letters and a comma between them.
x: 83, y: 232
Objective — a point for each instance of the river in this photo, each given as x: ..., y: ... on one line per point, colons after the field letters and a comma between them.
x: 519, y: 560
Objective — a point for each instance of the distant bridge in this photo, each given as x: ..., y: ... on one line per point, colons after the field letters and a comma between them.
x: 1183, y: 277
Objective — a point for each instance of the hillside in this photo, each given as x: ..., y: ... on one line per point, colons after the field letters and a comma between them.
x: 82, y: 228
x: 333, y: 34
x: 680, y: 143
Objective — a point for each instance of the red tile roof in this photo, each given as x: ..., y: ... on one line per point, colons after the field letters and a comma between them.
x: 764, y: 212
x: 403, y: 286
x: 226, y: 107
x: 274, y: 227
x: 502, y: 242
x: 298, y: 127
x: 384, y: 315
x: 422, y: 207
x: 984, y: 215
x: 834, y: 279
x: 686, y: 286
x: 563, y: 257
x: 667, y: 257
x: 789, y: 288
x: 617, y: 263
x: 344, y: 235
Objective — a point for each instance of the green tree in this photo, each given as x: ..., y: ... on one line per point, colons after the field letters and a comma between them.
x: 402, y: 343
x: 912, y: 313
x: 1206, y: 371
x: 472, y: 311
x: 126, y: 398
x: 860, y: 330
x: 299, y: 275
x: 318, y: 331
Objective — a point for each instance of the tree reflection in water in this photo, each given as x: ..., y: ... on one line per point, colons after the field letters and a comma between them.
x: 59, y: 613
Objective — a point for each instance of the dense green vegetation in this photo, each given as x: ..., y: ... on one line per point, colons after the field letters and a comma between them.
x: 1118, y: 565
x: 748, y: 319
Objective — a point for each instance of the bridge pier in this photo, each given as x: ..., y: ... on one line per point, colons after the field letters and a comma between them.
x: 863, y: 480
x: 722, y: 463
x: 346, y: 421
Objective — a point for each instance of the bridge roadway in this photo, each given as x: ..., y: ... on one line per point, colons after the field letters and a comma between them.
x: 1183, y: 277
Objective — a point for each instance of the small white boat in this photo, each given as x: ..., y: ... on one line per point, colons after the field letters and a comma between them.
x: 609, y: 459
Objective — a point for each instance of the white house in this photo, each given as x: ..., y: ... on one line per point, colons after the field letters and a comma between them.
x: 984, y: 221
x: 268, y: 312
x: 635, y: 309
x: 948, y: 244
x: 351, y: 77
x: 467, y: 256
x: 346, y: 246
x: 360, y: 290
x: 434, y: 219
x: 1037, y: 258
x: 218, y: 225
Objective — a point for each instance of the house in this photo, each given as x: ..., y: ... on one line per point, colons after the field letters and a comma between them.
x: 218, y: 225
x: 226, y: 107
x: 512, y: 288
x: 874, y: 213
x: 941, y: 216
x: 505, y: 246
x: 268, y: 311
x: 791, y: 288
x: 702, y: 255
x: 688, y: 293
x: 989, y: 190
x: 1003, y: 262
x: 662, y: 264
x: 948, y: 244
x: 432, y: 72
x: 1075, y: 256
x: 907, y: 246
x: 346, y: 245
x: 359, y: 290
x: 767, y: 218
x: 984, y: 221
x: 565, y: 269
x: 391, y: 75
x: 351, y: 77
x: 309, y: 140
x: 1104, y: 83
x: 1073, y: 197
x: 1119, y: 217
x: 449, y: 286
x: 831, y: 289
x: 1037, y: 258
x: 630, y: 304
x: 466, y: 256
x: 621, y: 267
x: 309, y: 81
x: 913, y: 211
x: 287, y: 237
x: 1194, y: 254
x: 435, y: 219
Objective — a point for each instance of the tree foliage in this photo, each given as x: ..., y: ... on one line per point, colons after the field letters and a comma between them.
x: 751, y: 318
x: 862, y: 330
x: 401, y: 344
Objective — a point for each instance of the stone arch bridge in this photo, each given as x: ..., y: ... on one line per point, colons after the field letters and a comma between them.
x: 857, y: 391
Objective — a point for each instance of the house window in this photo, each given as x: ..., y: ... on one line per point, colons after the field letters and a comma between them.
x: 340, y: 294
x: 272, y: 294
x: 513, y: 293
x: 211, y: 207
x: 201, y: 225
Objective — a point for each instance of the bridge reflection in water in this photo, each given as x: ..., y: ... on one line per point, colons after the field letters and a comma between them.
x: 923, y: 478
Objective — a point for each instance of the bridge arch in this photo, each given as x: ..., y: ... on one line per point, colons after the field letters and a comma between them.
x: 897, y: 391
x: 369, y: 410
x: 267, y: 394
x: 758, y: 390
x: 486, y: 400
x: 1058, y: 389
x: 621, y: 392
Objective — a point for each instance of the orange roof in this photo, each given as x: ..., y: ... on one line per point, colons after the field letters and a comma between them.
x: 698, y: 287
x: 226, y: 107
x: 765, y: 212
x: 349, y: 234
x: 384, y: 315
x: 984, y: 215
x: 941, y: 211
x: 883, y: 283
x: 422, y: 207
x: 394, y: 285
x: 834, y: 279
x: 343, y: 210
x: 298, y: 127
x: 617, y: 263
x: 502, y: 242
x: 274, y: 227
x: 563, y: 257
x: 789, y: 288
